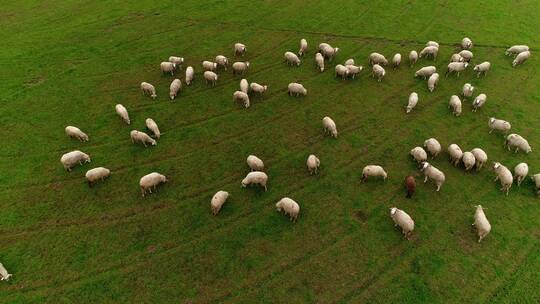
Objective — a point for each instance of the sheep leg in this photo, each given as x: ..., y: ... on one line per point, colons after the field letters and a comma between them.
x: 425, y: 179
x: 490, y: 131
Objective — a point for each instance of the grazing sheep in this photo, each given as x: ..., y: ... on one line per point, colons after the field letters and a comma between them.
x: 467, y: 90
x: 257, y: 88
x: 4, y: 275
x: 175, y: 87
x: 209, y: 65
x: 536, y: 180
x: 256, y: 177
x: 141, y: 137
x: 241, y: 96
x: 457, y: 67
x: 466, y: 43
x: 303, y: 47
x: 516, y: 49
x: 71, y: 159
x: 432, y: 43
x: 291, y: 58
x: 429, y: 51
x: 148, y: 89
x: 353, y: 70
x: 152, y: 126
x: 313, y: 163
x: 504, y: 175
x: 211, y: 77
x: 290, y: 207
x: 96, y: 174
x: 218, y: 200
x: 150, y: 182
x: 329, y: 126
x: 479, y: 102
x: 466, y: 55
x: 480, y: 157
x: 240, y: 67
x: 413, y: 57
x: 378, y: 71
x: 177, y: 60
x: 425, y: 71
x: 255, y: 163
x: 482, y: 68
x: 434, y: 174
x: 455, y: 104
x: 296, y: 89
x: 168, y: 67
x: 349, y: 61
x: 432, y: 81
x: 123, y: 113
x: 376, y: 58
x: 517, y: 141
x: 419, y: 154
x: 468, y: 160
x: 521, y: 58
x: 413, y: 100
x: 481, y: 223
x: 239, y: 49
x: 319, y: 61
x: 403, y: 220
x: 499, y: 125
x: 74, y: 132
x: 455, y: 154
x: 410, y: 184
x: 342, y: 71
x: 520, y: 172
x: 373, y: 170
x: 433, y: 146
x: 222, y: 61
x: 396, y: 60
x: 189, y: 75
x: 328, y: 51
x: 456, y: 58
x: 244, y: 85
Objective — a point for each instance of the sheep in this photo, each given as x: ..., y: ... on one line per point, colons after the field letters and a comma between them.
x: 481, y: 223
x: 396, y: 60
x: 413, y: 100
x: 432, y: 81
x: 378, y: 71
x: 467, y: 90
x: 353, y: 70
x: 433, y: 146
x: 466, y: 55
x: 479, y: 102
x: 328, y: 51
x: 455, y: 104
x: 504, y: 175
x: 319, y: 61
x: 456, y: 58
x: 419, y: 154
x: 150, y: 182
x: 520, y: 172
x: 149, y: 89
x: 152, y: 126
x: 536, y: 179
x: 4, y: 275
x: 290, y: 207
x: 429, y: 51
x: 482, y: 68
x: 466, y: 43
x: 74, y: 132
x: 244, y: 85
x: 71, y: 159
x: 410, y: 184
x: 313, y: 163
x: 123, y: 113
x: 211, y: 77
x: 516, y: 49
x: 241, y: 96
x: 96, y: 174
x: 521, y: 58
x: 468, y: 160
x: 342, y: 71
x: 257, y: 88
x: 209, y: 65
x: 303, y: 47
x: 376, y: 58
x: 425, y: 71
x: 168, y: 67
x: 499, y: 125
x: 517, y: 141
x: 403, y: 220
x: 255, y: 177
x: 413, y: 57
x: 432, y: 43
x: 255, y: 163
x: 349, y: 61
x: 296, y: 89
x: 291, y: 58
x: 141, y: 137
x: 455, y: 154
x: 240, y: 67
x: 177, y: 60
x: 373, y: 170
x: 480, y: 157
x: 189, y: 75
x: 174, y: 88
x: 329, y: 126
x: 218, y: 200
x: 434, y: 174
x: 239, y: 49
x: 222, y: 61
x: 457, y: 67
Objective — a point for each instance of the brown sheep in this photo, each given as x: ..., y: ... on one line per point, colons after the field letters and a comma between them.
x: 410, y: 183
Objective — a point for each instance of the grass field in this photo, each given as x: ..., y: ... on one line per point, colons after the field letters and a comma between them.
x: 69, y: 62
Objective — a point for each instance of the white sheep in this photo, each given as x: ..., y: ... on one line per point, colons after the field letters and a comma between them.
x: 342, y: 71
x: 349, y: 61
x: 240, y: 67
x: 329, y: 126
x: 456, y: 58
x: 256, y: 177
x: 466, y: 43
x: 378, y: 71
x: 520, y: 172
x: 425, y: 71
x: 504, y: 175
x: 141, y: 137
x: 4, y: 275
x: 396, y: 60
x: 455, y: 104
x: 433, y: 146
x: 456, y: 67
x: 123, y: 113
x: 239, y: 49
x: 222, y: 61
x: 319, y: 61
x: 403, y: 220
x: 189, y: 75
x: 313, y: 163
x: 255, y: 163
x: 482, y: 68
x: 74, y: 132
x: 480, y: 157
x: 328, y: 51
x: 150, y: 182
x: 455, y: 154
x: 296, y: 89
x: 434, y: 174
x: 257, y: 88
x: 413, y: 100
x: 499, y: 125
x: 516, y: 49
x: 209, y: 65
x: 521, y: 58
x: 376, y: 58
x: 518, y: 142
x: 481, y: 223
x: 71, y: 159
x: 218, y: 200
x: 148, y: 89
x: 168, y: 67
x: 291, y: 58
x: 432, y: 43
x: 174, y: 88
x: 413, y: 57
x: 241, y: 96
x: 536, y: 179
x: 353, y: 70
x: 468, y: 160
x: 303, y: 47
x: 177, y: 60
x: 373, y: 170
x: 419, y: 154
x: 479, y: 102
x: 96, y: 174
x: 432, y: 81
x: 152, y: 126
x: 211, y: 77
x: 290, y: 207
x: 466, y: 54
x: 429, y: 51
x: 467, y: 90
x: 244, y: 85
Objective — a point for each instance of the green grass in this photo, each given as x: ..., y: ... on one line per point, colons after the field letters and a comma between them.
x: 69, y: 62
